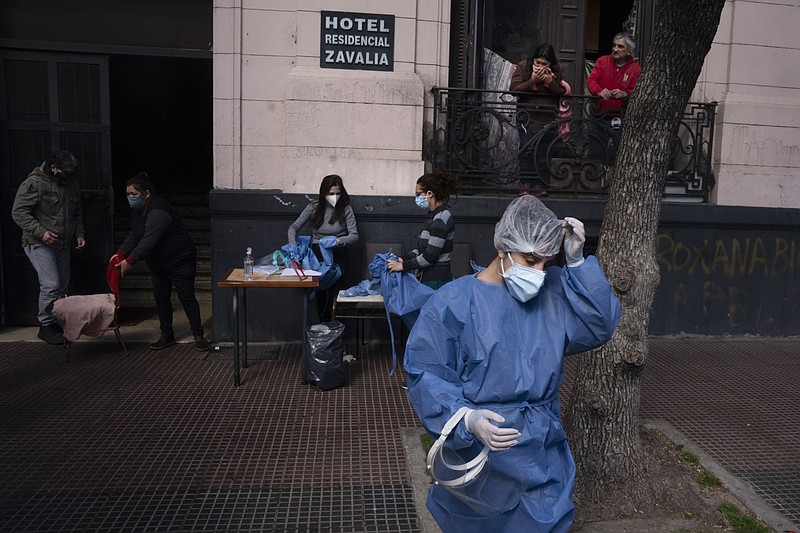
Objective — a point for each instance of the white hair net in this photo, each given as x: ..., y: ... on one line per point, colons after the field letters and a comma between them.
x: 527, y: 226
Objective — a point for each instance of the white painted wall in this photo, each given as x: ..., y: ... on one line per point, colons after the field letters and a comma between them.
x: 753, y: 72
x: 282, y: 122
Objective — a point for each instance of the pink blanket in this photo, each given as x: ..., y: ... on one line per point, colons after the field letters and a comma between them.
x: 89, y: 314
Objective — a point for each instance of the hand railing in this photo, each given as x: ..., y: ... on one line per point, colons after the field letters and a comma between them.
x: 554, y: 145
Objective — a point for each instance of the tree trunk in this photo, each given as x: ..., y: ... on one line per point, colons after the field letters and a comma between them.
x: 603, y: 415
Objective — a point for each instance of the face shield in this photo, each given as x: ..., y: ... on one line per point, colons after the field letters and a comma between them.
x: 471, y: 480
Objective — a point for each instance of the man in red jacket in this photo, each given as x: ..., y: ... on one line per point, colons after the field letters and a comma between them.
x: 612, y: 79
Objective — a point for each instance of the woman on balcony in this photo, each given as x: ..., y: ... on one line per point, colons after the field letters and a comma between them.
x: 539, y: 78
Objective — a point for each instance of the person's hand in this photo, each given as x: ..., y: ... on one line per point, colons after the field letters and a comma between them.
x: 619, y: 94
x: 495, y: 438
x: 605, y: 94
x: 81, y: 243
x: 574, y: 239
x: 538, y: 74
x: 394, y: 266
x: 50, y: 237
x: 328, y: 242
x: 123, y: 267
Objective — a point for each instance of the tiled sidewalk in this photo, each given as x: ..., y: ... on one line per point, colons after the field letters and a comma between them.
x: 739, y: 400
x: 162, y: 441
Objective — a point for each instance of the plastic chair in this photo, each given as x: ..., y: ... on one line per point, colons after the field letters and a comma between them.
x: 362, y: 308
x: 95, y: 306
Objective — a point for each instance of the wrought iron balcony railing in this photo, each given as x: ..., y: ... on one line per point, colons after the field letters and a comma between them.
x: 558, y: 145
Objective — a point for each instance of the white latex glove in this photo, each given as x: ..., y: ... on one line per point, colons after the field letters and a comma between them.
x: 574, y: 238
x: 495, y: 438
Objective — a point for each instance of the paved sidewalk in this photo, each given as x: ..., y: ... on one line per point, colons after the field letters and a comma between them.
x: 162, y: 441
x: 737, y: 400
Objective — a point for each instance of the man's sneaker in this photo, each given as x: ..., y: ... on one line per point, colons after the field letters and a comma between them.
x: 164, y: 341
x: 51, y: 334
x: 201, y: 344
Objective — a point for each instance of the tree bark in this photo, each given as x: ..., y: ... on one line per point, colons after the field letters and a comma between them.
x: 603, y: 415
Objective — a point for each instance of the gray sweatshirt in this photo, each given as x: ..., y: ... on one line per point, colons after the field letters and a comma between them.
x: 346, y: 233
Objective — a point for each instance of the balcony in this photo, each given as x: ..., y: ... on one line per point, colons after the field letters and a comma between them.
x: 564, y: 147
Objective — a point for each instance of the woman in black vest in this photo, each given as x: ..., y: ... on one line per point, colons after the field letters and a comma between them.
x: 159, y: 237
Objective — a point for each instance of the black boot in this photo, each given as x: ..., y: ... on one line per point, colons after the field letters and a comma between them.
x: 164, y: 341
x: 51, y: 334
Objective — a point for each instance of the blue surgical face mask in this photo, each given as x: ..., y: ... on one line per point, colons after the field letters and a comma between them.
x: 521, y: 281
x: 421, y: 201
x: 136, y: 202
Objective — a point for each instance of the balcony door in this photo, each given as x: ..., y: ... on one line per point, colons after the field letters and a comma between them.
x: 512, y: 29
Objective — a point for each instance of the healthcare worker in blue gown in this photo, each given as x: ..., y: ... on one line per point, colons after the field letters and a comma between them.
x: 495, y: 342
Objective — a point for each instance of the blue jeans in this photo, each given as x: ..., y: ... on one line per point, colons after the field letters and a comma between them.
x: 52, y: 267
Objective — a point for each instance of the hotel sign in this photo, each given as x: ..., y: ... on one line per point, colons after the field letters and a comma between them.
x: 356, y: 41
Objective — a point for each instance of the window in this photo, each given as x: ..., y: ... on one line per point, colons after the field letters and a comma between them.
x: 510, y: 28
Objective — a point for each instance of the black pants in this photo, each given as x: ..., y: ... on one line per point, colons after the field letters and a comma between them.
x: 326, y: 298
x: 605, y: 133
x: 180, y: 274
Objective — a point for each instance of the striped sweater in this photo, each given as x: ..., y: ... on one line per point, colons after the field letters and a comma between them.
x: 431, y: 257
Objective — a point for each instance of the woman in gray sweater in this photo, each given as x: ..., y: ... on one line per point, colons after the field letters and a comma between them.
x: 333, y: 223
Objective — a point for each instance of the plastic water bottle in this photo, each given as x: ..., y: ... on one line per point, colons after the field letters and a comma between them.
x: 248, y: 265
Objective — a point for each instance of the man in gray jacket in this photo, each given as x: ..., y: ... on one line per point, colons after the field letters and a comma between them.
x: 48, y: 209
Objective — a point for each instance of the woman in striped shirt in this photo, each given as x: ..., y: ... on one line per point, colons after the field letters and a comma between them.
x: 431, y: 258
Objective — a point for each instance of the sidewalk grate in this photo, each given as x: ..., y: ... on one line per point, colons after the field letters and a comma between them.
x: 163, y: 441
x: 779, y: 488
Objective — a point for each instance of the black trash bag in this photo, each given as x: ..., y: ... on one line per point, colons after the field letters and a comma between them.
x: 325, y: 349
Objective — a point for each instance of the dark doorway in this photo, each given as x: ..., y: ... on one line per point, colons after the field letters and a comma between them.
x: 509, y: 28
x: 161, y: 117
x: 161, y: 123
x: 61, y: 78
x: 605, y: 18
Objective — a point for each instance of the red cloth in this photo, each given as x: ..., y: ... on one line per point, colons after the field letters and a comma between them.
x: 113, y: 274
x: 122, y: 255
x: 607, y: 75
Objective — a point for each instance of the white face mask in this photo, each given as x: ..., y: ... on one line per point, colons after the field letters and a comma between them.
x: 521, y: 281
x: 332, y: 199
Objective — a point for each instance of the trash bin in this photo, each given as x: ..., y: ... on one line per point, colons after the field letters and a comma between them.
x: 324, y: 369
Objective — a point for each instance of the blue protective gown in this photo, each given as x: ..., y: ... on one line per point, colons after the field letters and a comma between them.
x: 475, y: 345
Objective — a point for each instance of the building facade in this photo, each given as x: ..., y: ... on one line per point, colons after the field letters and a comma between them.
x: 283, y: 121
x: 274, y: 103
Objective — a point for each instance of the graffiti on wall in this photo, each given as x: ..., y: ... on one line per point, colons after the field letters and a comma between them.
x: 741, y: 284
x: 731, y: 257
